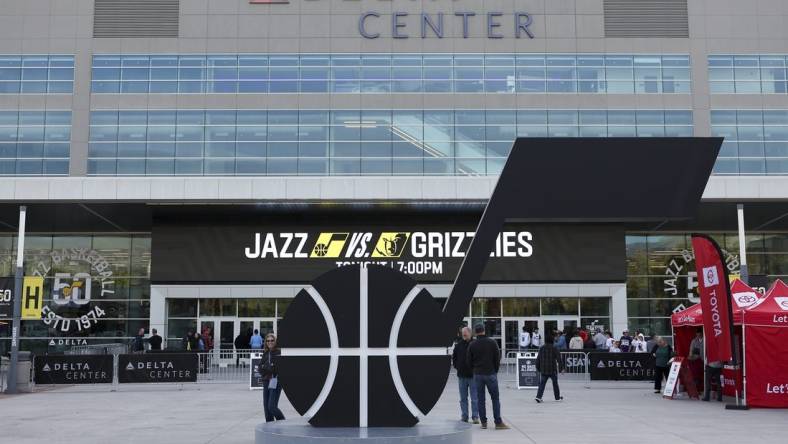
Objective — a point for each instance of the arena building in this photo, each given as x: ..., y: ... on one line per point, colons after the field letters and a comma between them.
x: 194, y: 163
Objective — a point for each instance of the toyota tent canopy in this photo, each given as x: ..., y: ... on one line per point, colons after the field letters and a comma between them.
x: 686, y: 322
x: 766, y: 349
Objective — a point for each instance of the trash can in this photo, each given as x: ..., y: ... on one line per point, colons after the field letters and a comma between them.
x: 24, y: 375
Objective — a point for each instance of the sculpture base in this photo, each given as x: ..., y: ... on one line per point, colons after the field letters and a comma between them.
x: 298, y: 431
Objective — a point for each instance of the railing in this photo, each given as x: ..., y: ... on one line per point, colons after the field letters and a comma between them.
x: 225, y: 366
x: 98, y: 349
x: 575, y: 366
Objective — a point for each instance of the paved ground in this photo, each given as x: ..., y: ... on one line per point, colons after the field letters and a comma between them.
x: 227, y: 413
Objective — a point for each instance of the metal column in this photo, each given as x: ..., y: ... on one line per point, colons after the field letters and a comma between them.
x: 20, y: 254
x: 745, y: 275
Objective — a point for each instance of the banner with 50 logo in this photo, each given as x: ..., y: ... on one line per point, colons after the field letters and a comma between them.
x: 73, y: 306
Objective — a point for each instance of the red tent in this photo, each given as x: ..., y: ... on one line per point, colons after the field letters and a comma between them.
x: 686, y: 322
x: 766, y: 349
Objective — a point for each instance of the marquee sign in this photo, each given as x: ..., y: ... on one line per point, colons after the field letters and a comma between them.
x: 288, y: 253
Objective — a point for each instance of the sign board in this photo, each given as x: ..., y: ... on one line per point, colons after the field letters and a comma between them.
x: 6, y: 297
x: 673, y: 378
x: 32, y: 297
x: 527, y: 375
x: 621, y: 366
x: 157, y: 367
x: 255, y: 378
x: 297, y: 252
x: 80, y: 369
x: 732, y: 380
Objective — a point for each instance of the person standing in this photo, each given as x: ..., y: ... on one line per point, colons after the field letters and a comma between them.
x: 713, y: 374
x: 536, y: 339
x: 695, y: 358
x: 155, y: 340
x: 138, y: 343
x: 625, y: 343
x: 256, y: 341
x: 524, y: 339
x: 662, y: 353
x: 484, y: 357
x: 576, y: 343
x: 560, y: 342
x: 600, y: 340
x: 548, y: 364
x: 271, y: 387
x: 639, y: 344
x: 465, y: 377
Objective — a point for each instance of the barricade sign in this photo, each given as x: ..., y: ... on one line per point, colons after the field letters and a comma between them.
x: 255, y: 378
x: 673, y: 378
x: 157, y: 367
x: 732, y: 380
x: 527, y: 376
x: 79, y: 369
x: 621, y: 366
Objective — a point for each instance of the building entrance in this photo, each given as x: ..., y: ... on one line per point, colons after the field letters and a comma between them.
x: 546, y: 325
x: 224, y: 330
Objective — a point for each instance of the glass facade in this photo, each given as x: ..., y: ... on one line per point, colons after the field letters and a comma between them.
x: 748, y: 74
x: 36, y: 74
x: 119, y: 302
x: 492, y: 311
x: 661, y: 272
x: 756, y: 142
x: 34, y: 143
x: 344, y: 142
x: 388, y: 73
x: 183, y: 314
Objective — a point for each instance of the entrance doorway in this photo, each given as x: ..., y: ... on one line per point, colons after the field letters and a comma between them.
x: 225, y: 330
x: 546, y: 324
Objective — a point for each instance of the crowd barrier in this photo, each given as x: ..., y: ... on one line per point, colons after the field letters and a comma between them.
x: 595, y: 365
x: 115, y: 366
x: 112, y: 364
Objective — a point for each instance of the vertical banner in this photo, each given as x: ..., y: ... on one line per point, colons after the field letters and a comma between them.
x: 714, y: 290
x: 32, y: 297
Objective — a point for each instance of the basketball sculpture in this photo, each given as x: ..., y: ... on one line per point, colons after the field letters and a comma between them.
x: 360, y: 349
x: 367, y: 347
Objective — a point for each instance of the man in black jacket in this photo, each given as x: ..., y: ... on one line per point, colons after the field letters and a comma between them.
x: 465, y: 377
x: 548, y: 363
x: 484, y: 357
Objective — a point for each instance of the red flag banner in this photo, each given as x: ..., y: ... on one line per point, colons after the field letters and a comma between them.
x: 714, y: 290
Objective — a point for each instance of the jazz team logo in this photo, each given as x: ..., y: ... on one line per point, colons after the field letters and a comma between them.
x: 329, y: 245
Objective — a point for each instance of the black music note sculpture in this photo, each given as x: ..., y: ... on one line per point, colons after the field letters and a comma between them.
x: 367, y: 347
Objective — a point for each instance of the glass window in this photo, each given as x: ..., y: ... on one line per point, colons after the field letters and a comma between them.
x: 559, y: 306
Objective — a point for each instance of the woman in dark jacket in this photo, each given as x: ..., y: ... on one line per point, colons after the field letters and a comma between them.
x: 271, y: 388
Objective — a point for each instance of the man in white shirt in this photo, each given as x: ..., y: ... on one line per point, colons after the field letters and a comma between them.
x: 536, y: 339
x: 525, y: 339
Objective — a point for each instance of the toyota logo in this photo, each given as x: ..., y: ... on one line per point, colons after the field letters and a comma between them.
x: 784, y: 304
x: 746, y: 299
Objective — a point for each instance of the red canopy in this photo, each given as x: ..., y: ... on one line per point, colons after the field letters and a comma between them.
x: 742, y: 294
x: 772, y: 309
x: 687, y: 321
x: 766, y: 354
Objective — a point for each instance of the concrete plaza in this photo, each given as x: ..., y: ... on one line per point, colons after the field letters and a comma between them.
x: 228, y: 413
